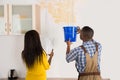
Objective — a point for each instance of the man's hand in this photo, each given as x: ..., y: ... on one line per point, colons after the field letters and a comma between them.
x: 68, y: 46
x: 68, y: 43
x: 78, y: 30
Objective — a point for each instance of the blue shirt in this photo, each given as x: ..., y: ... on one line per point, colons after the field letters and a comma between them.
x: 77, y: 54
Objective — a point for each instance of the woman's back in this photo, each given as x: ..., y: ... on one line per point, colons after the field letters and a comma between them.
x: 38, y: 72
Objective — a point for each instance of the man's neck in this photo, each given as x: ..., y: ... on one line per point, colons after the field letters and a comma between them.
x: 87, y: 40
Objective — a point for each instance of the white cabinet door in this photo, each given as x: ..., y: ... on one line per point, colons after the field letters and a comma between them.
x: 19, y: 18
x: 2, y: 20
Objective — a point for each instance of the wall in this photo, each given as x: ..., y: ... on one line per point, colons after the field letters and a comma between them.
x: 103, y: 16
x: 18, y: 1
x: 10, y: 51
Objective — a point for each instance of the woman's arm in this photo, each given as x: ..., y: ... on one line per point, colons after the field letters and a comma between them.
x: 51, y: 56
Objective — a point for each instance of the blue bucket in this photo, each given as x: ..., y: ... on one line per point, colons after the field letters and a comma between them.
x: 70, y: 33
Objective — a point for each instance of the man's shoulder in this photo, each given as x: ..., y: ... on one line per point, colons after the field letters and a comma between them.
x: 99, y: 44
x: 78, y: 48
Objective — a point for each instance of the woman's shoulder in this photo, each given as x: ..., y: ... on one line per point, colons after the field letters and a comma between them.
x: 44, y: 53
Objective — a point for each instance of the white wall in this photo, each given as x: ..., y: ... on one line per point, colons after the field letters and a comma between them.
x: 103, y: 16
x: 10, y: 55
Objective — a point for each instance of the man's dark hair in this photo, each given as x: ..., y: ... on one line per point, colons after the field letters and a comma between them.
x: 87, y: 32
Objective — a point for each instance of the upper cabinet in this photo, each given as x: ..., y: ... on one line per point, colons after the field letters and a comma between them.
x: 17, y: 19
x: 2, y: 19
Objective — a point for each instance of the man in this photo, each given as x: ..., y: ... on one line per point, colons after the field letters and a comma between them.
x: 86, y: 56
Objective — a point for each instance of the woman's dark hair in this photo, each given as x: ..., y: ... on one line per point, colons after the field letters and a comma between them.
x: 87, y: 32
x: 32, y: 48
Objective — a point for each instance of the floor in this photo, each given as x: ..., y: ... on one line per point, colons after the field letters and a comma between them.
x: 68, y: 79
x: 56, y: 79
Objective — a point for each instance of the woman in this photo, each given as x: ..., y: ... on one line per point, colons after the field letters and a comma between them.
x: 35, y: 57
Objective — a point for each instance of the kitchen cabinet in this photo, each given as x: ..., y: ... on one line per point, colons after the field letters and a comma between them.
x: 17, y: 19
x: 2, y: 20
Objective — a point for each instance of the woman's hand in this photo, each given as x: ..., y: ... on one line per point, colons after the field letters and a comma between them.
x: 51, y: 54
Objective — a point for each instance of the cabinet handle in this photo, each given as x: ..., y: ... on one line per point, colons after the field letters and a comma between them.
x: 8, y: 27
x: 5, y: 26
